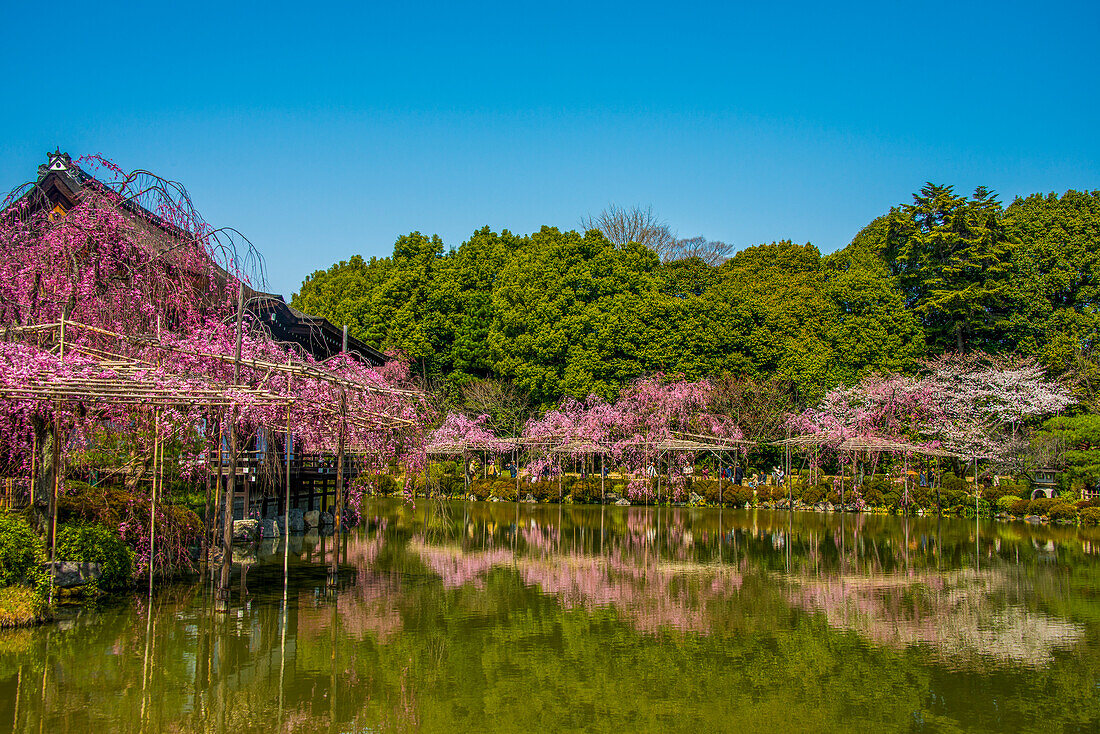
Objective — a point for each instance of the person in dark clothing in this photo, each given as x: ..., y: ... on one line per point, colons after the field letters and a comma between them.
x: 739, y: 476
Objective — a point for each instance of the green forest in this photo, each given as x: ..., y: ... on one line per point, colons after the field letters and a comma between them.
x: 567, y: 312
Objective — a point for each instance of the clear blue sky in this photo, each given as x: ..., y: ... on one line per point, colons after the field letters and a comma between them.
x: 323, y: 131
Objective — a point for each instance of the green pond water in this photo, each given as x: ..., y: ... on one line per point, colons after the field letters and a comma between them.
x: 535, y: 618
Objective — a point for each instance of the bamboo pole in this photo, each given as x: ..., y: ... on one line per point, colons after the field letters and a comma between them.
x: 222, y: 602
x: 339, y: 519
x: 153, y: 499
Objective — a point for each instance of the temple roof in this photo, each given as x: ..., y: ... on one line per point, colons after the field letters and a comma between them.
x: 59, y: 187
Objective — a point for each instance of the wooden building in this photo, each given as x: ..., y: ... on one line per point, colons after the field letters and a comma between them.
x: 61, y: 185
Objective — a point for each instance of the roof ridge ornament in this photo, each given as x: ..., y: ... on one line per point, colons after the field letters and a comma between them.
x: 56, y: 161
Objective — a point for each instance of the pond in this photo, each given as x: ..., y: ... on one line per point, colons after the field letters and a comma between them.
x: 522, y: 618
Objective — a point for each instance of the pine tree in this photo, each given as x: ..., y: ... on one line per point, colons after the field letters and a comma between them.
x: 953, y: 261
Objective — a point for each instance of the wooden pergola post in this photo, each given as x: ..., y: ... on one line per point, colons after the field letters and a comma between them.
x: 221, y: 602
x: 338, y: 520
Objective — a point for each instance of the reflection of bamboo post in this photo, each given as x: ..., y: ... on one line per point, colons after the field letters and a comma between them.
x: 18, y: 690
x: 153, y: 499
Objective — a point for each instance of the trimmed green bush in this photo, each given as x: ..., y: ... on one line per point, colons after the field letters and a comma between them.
x: 504, y: 489
x: 1019, y: 507
x: 96, y: 543
x: 1090, y: 516
x: 1062, y: 512
x: 1040, y: 506
x: 874, y: 491
x: 738, y: 496
x: 813, y: 495
x: 1005, y: 503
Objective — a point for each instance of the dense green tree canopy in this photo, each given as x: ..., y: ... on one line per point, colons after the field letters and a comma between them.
x: 560, y: 313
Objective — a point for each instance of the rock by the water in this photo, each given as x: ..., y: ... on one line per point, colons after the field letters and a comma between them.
x: 327, y: 520
x: 530, y: 499
x: 312, y: 519
x: 297, y: 521
x: 271, y: 528
x: 68, y: 574
x: 696, y: 499
x: 246, y: 531
x: 1033, y: 519
x: 623, y: 502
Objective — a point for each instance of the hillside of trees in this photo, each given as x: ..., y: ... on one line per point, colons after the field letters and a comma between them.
x: 566, y: 313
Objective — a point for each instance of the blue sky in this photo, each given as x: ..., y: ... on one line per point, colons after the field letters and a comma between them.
x: 322, y: 131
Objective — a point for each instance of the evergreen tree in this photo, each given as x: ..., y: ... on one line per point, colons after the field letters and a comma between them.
x: 953, y: 260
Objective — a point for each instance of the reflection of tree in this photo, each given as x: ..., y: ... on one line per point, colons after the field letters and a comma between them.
x: 958, y: 614
x: 653, y: 597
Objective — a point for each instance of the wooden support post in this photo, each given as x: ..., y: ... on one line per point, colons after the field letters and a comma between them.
x: 221, y: 602
x: 207, y: 510
x: 218, y: 499
x: 56, y: 459
x: 286, y: 506
x: 153, y: 499
x: 339, y: 518
x: 721, y: 471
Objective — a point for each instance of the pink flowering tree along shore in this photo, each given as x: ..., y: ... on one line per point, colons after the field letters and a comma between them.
x: 131, y: 291
x: 632, y: 431
x: 977, y: 406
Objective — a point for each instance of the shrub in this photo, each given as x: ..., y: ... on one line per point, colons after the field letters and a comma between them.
x: 1005, y: 503
x: 22, y: 605
x: 95, y: 543
x: 504, y: 489
x: 874, y: 491
x: 480, y: 488
x: 1090, y: 516
x: 541, y: 491
x: 1040, y: 505
x: 587, y: 491
x: 1019, y: 508
x: 22, y: 554
x: 813, y: 495
x: 1062, y: 512
x: 738, y: 496
x: 448, y: 485
x: 951, y: 482
x: 706, y: 487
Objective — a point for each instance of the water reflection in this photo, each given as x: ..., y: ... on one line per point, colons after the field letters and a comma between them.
x: 505, y: 617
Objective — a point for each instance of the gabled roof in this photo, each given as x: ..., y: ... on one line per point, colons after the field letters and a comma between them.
x: 62, y: 183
